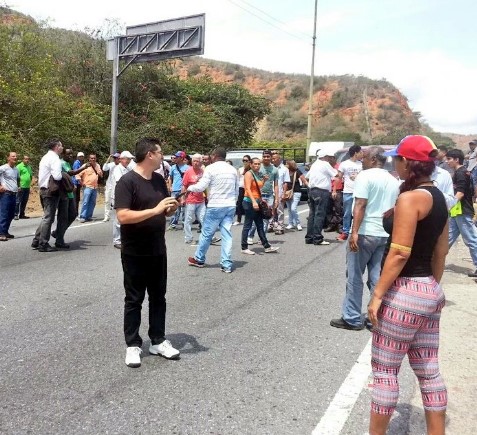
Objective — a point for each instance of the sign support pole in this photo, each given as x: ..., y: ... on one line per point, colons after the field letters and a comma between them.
x: 114, y: 104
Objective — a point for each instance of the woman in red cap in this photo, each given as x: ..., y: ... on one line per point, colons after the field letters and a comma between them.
x: 407, y: 301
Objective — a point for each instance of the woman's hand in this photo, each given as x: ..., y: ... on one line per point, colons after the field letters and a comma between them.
x: 373, y: 308
x: 255, y: 205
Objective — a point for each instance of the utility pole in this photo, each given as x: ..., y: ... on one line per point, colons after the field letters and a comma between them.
x: 366, y: 111
x: 312, y: 76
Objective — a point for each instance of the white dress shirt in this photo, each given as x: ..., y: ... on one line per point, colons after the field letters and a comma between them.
x: 222, y: 182
x: 320, y: 175
x: 50, y: 165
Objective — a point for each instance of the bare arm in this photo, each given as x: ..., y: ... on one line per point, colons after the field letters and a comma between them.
x: 304, y: 180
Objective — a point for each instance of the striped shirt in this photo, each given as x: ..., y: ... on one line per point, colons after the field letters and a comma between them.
x: 222, y: 182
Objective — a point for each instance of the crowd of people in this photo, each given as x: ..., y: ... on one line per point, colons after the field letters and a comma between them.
x: 398, y: 230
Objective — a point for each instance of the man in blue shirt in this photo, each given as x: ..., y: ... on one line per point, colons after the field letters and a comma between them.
x: 76, y: 165
x: 176, y: 175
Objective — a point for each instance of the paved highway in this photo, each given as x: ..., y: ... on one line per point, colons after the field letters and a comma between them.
x: 257, y: 353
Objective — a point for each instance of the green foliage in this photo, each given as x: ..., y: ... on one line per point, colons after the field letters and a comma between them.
x: 58, y: 83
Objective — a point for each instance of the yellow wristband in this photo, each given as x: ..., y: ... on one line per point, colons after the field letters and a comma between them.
x: 401, y: 247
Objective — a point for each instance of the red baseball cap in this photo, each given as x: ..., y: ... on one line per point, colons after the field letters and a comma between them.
x: 181, y: 154
x: 415, y: 147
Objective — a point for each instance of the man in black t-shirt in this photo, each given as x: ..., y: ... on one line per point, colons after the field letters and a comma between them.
x: 142, y: 204
x: 462, y: 223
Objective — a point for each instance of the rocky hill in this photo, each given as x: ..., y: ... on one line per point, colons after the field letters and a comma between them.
x: 344, y: 107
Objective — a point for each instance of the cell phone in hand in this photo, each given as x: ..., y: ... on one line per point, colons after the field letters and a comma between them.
x: 180, y: 195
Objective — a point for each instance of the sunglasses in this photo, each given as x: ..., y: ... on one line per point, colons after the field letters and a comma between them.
x: 245, y: 161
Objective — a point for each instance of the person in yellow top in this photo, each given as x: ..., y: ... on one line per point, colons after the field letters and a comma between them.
x: 89, y: 179
x: 253, y: 183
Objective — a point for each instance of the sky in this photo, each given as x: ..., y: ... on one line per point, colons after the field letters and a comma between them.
x: 426, y: 48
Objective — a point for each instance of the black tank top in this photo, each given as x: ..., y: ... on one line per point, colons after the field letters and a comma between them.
x: 428, y: 231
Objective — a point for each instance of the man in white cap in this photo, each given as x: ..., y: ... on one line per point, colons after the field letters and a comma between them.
x: 109, y: 165
x: 319, y: 183
x: 121, y: 169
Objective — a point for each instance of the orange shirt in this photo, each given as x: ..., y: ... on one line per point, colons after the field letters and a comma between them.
x: 89, y: 178
x: 253, y: 187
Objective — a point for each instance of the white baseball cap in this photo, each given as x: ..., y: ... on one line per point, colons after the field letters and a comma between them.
x: 80, y: 154
x: 126, y: 154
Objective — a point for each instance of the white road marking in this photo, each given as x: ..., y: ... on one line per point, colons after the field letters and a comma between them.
x: 342, y: 404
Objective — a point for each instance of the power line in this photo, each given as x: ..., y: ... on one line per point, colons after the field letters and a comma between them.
x: 266, y: 21
x: 270, y: 16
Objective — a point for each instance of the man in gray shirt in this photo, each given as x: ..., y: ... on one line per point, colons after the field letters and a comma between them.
x: 9, y: 179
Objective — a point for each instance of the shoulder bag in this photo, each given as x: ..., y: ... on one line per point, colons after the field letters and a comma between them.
x: 289, y: 193
x: 265, y: 211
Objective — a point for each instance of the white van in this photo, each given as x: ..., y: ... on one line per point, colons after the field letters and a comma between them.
x: 236, y: 156
x: 332, y: 147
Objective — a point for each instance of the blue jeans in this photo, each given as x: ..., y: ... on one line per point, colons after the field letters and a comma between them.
x: 253, y: 216
x: 292, y: 204
x: 270, y: 201
x: 179, y: 214
x: 89, y: 202
x: 347, y: 212
x: 221, y: 218
x: 369, y: 255
x: 22, y: 199
x: 7, y: 211
x: 464, y: 226
x: 318, y: 203
x: 190, y: 212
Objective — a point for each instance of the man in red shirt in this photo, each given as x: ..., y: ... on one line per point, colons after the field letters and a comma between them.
x: 194, y: 201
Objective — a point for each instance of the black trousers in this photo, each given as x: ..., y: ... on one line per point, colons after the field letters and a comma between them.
x: 318, y: 203
x: 141, y: 274
x: 66, y: 216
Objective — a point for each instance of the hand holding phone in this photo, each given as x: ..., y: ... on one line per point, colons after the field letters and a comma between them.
x: 180, y: 195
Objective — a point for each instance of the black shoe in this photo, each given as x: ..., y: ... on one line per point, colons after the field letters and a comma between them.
x: 62, y: 245
x: 308, y: 242
x: 331, y: 229
x: 16, y: 218
x: 35, y: 244
x: 24, y: 217
x: 342, y: 324
x: 53, y: 234
x: 47, y: 248
x: 472, y: 274
x: 10, y: 236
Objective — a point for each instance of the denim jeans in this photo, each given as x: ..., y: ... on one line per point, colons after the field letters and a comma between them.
x: 221, y: 218
x: 347, y: 212
x: 66, y: 215
x: 22, y: 199
x: 50, y: 205
x: 318, y: 202
x: 7, y: 211
x: 89, y: 202
x: 179, y: 214
x: 141, y: 274
x: 292, y: 205
x: 192, y: 211
x: 253, y: 216
x: 369, y: 255
x: 464, y: 226
x: 270, y: 201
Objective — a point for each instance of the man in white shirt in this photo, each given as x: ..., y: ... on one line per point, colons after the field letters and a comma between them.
x: 348, y: 170
x: 319, y: 183
x: 119, y: 170
x: 108, y: 167
x: 221, y: 180
x: 283, y: 180
x: 50, y: 166
x: 471, y: 160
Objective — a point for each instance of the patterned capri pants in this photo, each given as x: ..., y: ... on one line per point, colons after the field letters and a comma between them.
x: 408, y: 324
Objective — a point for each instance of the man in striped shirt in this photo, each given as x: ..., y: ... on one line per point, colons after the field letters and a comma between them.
x: 222, y: 182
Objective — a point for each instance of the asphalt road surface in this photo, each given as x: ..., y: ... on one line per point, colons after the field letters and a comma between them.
x: 257, y: 353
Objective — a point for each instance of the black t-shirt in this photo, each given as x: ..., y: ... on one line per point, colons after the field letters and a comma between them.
x: 136, y: 193
x: 462, y: 183
x: 296, y: 187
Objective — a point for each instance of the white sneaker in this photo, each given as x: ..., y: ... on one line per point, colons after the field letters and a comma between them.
x: 215, y: 240
x: 271, y: 249
x: 133, y: 356
x: 250, y: 241
x: 299, y: 227
x: 236, y: 223
x: 164, y: 349
x: 289, y: 227
x: 248, y: 252
x: 106, y: 219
